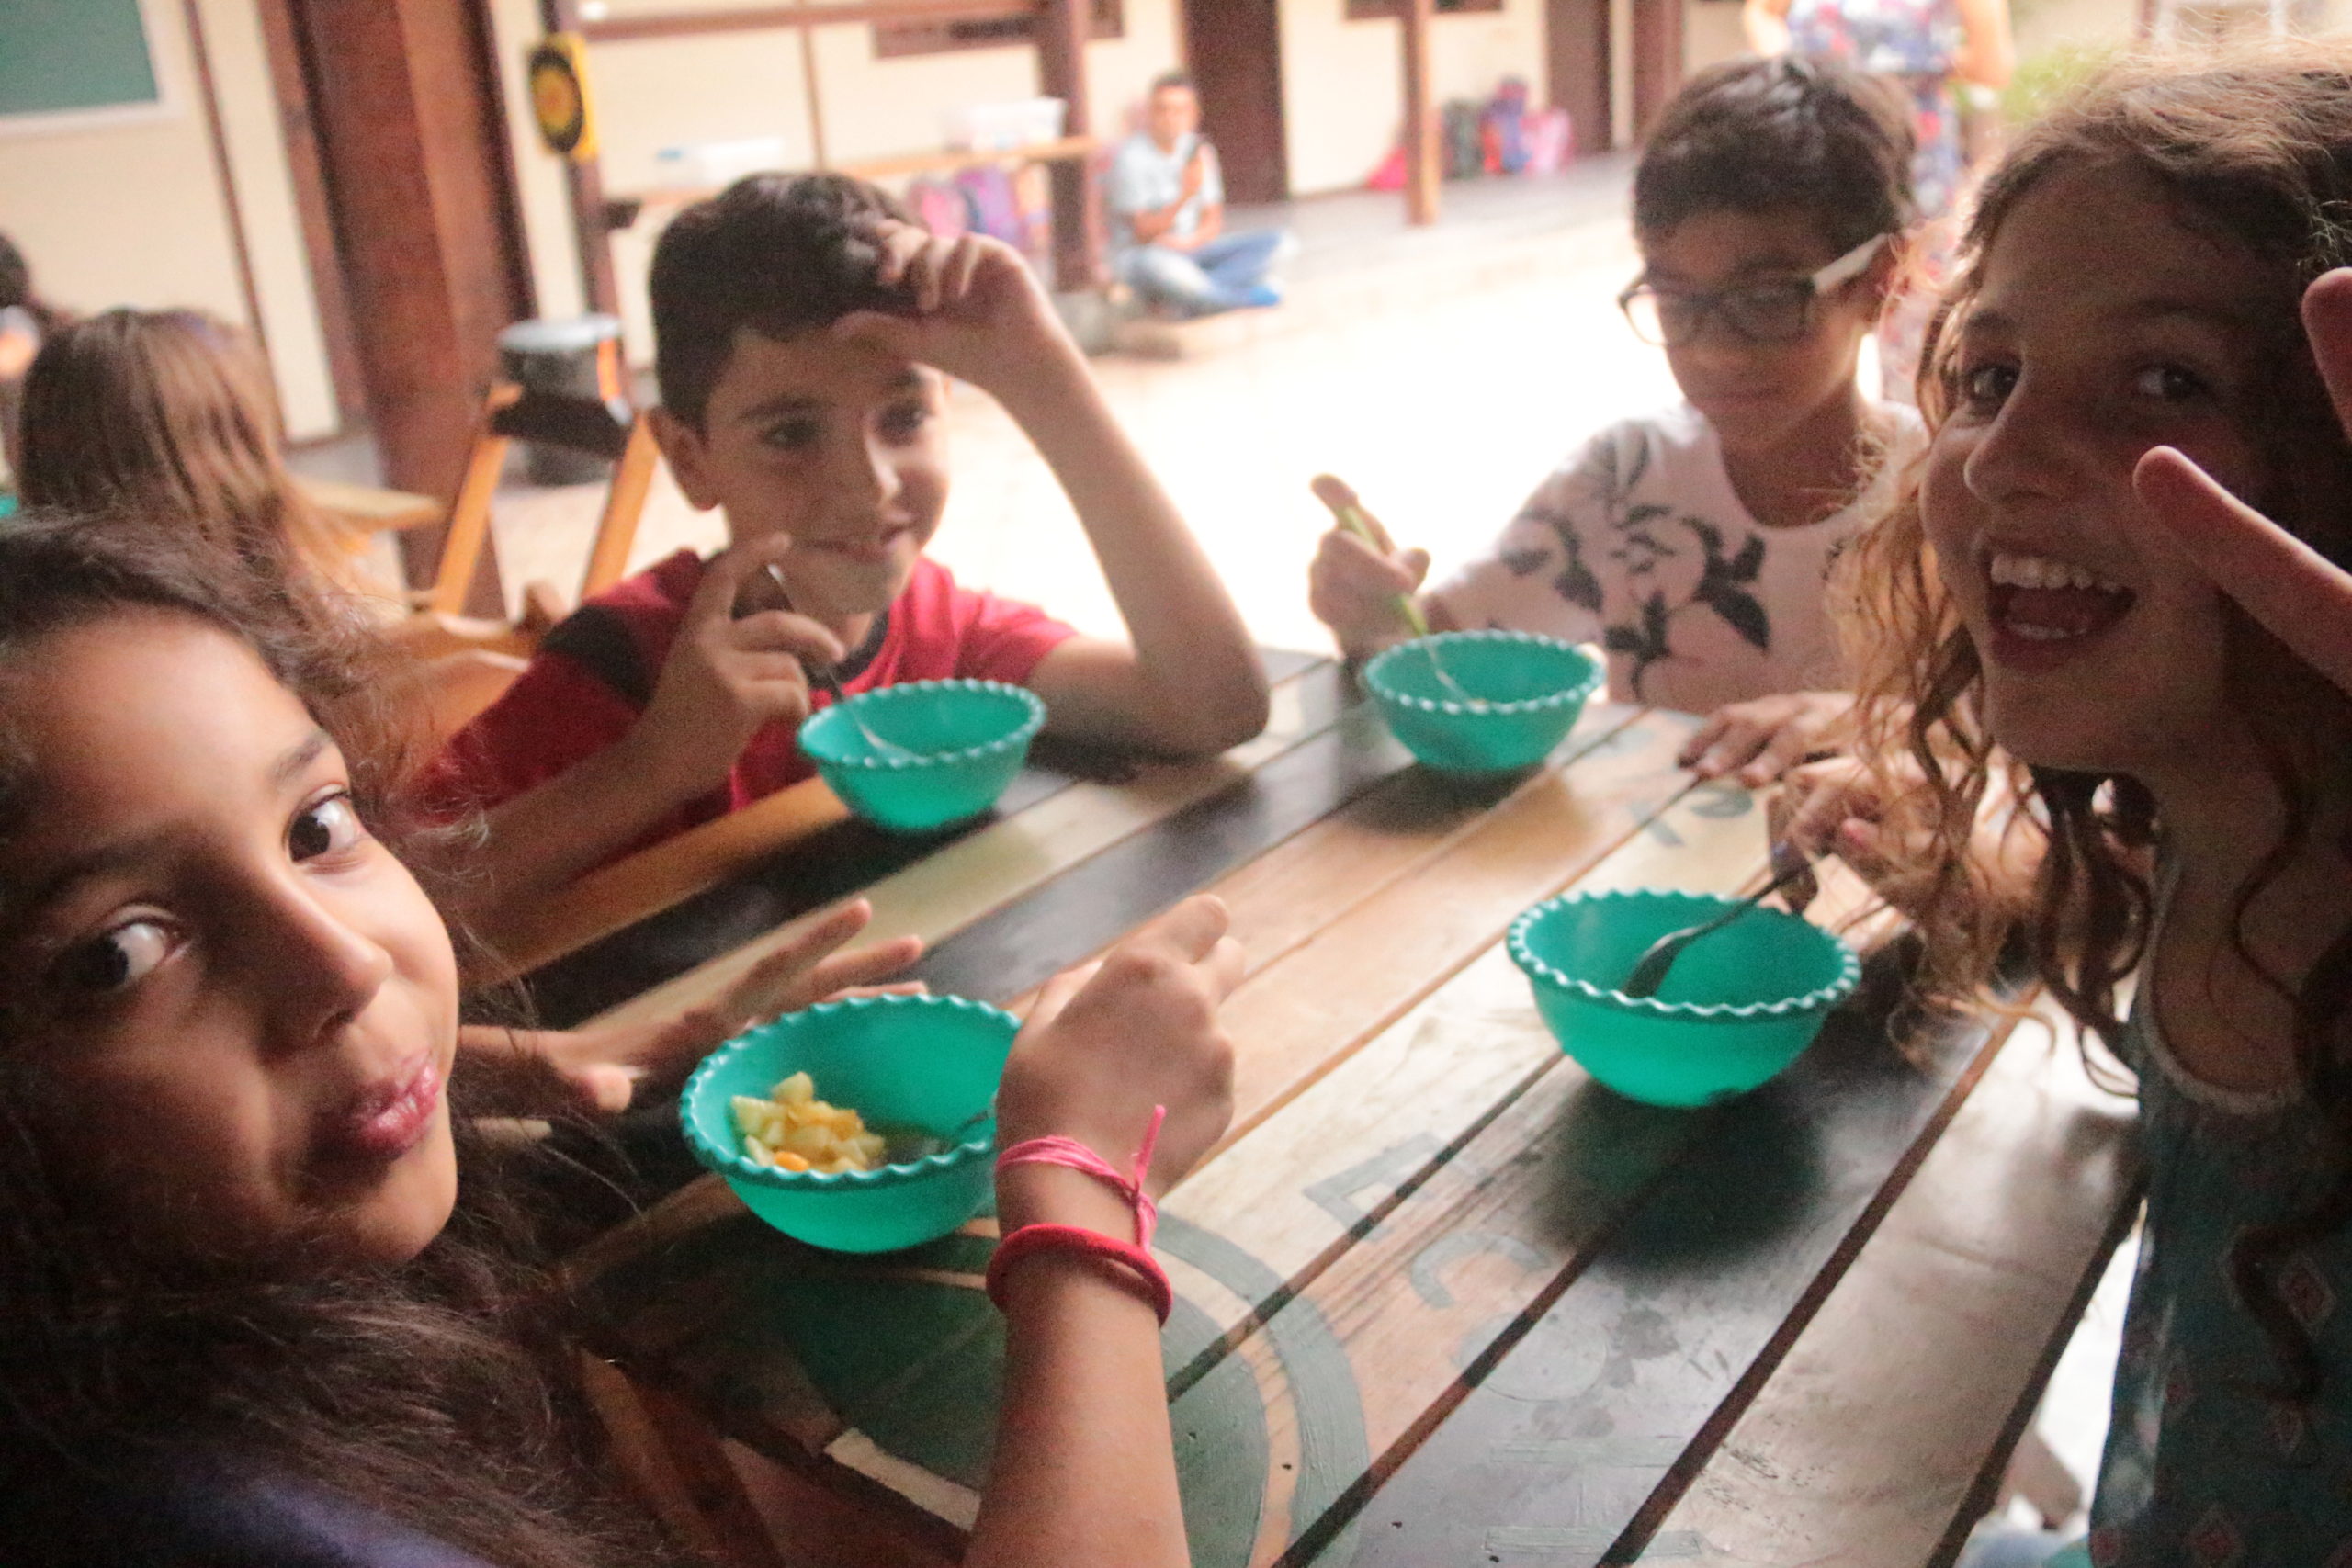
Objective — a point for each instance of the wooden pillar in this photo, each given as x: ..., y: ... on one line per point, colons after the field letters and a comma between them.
x: 1423, y: 167
x: 1658, y: 59
x: 1576, y: 69
x: 1062, y: 32
x: 584, y: 179
x: 413, y: 138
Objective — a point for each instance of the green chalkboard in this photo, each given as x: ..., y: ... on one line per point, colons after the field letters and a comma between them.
x: 68, y: 56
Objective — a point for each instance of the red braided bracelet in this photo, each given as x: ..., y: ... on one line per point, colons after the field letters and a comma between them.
x: 1135, y: 1254
x: 1032, y: 1239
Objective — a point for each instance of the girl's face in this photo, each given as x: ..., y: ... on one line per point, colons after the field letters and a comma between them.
x: 244, y: 1002
x: 2103, y: 326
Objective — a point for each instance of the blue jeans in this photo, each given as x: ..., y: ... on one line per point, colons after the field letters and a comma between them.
x: 1226, y: 274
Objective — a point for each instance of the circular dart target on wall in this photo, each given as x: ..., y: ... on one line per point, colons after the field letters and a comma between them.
x: 558, y: 79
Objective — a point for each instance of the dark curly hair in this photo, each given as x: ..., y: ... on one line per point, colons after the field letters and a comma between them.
x: 1780, y: 135
x: 435, y: 1392
x: 782, y: 254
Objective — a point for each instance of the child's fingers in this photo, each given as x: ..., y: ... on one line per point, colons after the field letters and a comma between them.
x: 1192, y: 927
x: 724, y: 580
x: 2304, y: 599
x: 900, y: 243
x: 1740, y: 743
x: 1781, y: 751
x: 864, y: 966
x: 1702, y: 738
x: 963, y: 266
x: 1056, y: 994
x: 1224, y: 967
x: 1358, y: 566
x: 780, y: 631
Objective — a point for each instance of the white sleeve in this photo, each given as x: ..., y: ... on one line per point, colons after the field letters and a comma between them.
x: 1538, y: 575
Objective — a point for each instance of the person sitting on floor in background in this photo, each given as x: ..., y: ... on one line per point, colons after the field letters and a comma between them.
x: 1771, y: 206
x: 1167, y: 201
x: 804, y: 333
x: 172, y: 414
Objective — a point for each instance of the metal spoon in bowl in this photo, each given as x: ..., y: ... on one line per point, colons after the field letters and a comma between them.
x: 822, y: 676
x: 1790, y: 870
x: 1340, y: 497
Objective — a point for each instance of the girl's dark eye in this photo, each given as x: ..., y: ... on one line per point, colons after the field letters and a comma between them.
x: 112, y: 961
x: 1986, y: 386
x: 902, y: 421
x: 322, y: 828
x: 2169, y: 383
x: 793, y: 435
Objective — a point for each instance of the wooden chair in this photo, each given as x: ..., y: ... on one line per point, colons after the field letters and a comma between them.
x: 603, y: 425
x: 464, y: 663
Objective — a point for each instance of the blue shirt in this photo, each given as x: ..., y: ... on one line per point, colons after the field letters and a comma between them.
x: 2203, y: 1465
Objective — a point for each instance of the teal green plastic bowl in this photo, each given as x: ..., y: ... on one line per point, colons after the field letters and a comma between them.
x: 1736, y: 1007
x: 1529, y: 691
x: 968, y: 739
x: 900, y: 1062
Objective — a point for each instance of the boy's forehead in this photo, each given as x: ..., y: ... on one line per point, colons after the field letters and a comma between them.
x: 1723, y: 243
x: 812, y: 367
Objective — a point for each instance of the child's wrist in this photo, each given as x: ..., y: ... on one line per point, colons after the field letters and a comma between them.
x: 1058, y: 1195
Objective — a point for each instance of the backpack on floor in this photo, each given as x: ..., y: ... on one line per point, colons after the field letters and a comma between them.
x: 1466, y: 152
x: 939, y: 207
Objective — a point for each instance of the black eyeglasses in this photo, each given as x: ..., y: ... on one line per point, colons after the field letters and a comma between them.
x: 1780, y: 311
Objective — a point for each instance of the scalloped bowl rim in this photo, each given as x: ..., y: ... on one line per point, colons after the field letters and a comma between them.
x: 737, y: 1166
x: 1581, y: 692
x: 1021, y: 734
x: 1819, y: 999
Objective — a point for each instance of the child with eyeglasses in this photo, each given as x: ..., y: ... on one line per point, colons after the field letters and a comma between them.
x: 1771, y: 207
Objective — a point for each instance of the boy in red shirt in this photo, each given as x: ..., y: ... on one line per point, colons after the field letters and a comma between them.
x: 804, y: 331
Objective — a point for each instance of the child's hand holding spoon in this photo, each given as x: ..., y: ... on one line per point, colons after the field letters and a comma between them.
x: 1362, y: 586
x: 822, y: 676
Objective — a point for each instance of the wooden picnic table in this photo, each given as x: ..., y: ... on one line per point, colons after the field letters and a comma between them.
x: 1443, y: 1298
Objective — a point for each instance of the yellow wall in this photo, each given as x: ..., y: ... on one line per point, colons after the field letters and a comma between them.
x: 133, y: 212
x: 1343, y: 86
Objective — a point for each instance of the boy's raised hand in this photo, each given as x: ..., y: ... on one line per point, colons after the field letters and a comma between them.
x: 1105, y: 1043
x: 727, y: 677
x: 2304, y: 599
x: 979, y: 312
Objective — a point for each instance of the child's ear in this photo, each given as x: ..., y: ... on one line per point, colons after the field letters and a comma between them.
x: 686, y: 451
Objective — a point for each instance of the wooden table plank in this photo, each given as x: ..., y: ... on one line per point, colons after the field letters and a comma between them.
x: 1572, y: 1417
x: 1302, y: 1016
x: 1293, y: 1190
x: 704, y: 1292
x: 958, y: 882
x: 1883, y: 1436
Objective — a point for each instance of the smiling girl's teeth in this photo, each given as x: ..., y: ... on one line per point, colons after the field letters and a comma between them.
x: 2009, y: 569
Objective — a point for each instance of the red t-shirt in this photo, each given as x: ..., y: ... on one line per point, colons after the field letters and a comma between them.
x: 595, y: 672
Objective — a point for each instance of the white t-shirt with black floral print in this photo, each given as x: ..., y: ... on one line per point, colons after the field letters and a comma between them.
x: 1639, y: 543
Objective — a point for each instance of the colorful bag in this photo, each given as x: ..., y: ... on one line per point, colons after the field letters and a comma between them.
x: 938, y: 207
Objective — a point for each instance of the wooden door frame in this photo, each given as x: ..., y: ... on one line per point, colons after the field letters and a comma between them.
x: 1577, y: 61
x: 1187, y: 52
x: 408, y: 122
